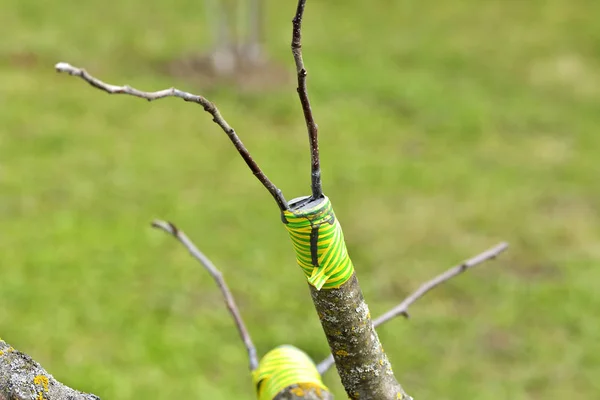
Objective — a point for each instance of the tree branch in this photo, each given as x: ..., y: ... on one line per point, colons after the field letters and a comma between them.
x: 220, y: 281
x: 321, y: 253
x: 402, y: 308
x: 22, y: 378
x: 208, y: 107
x: 316, y: 186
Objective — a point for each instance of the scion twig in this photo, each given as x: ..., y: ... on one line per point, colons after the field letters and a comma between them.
x: 402, y: 308
x: 206, y: 104
x: 313, y: 130
x: 220, y: 281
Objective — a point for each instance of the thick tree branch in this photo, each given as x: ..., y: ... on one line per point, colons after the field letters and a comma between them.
x: 220, y: 281
x: 313, y: 130
x: 363, y: 366
x: 21, y: 378
x: 402, y: 308
x: 208, y: 107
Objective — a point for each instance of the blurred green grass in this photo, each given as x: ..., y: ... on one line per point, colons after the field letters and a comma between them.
x: 446, y: 126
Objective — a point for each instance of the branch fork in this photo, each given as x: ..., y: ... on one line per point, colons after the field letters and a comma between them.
x: 337, y: 303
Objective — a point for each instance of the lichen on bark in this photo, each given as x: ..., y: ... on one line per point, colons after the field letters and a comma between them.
x: 22, y: 378
x: 363, y: 366
x: 300, y: 392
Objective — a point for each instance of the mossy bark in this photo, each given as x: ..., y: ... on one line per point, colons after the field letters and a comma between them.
x: 21, y: 378
x: 363, y: 366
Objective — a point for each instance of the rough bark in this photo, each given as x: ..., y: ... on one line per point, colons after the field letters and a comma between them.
x: 363, y: 366
x: 22, y: 378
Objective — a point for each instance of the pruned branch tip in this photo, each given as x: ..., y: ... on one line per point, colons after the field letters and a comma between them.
x: 208, y: 106
x: 220, y: 281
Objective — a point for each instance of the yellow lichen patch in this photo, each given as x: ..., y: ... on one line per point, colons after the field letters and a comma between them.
x: 298, y: 391
x: 302, y: 389
x: 9, y: 350
x: 341, y: 353
x: 41, y: 380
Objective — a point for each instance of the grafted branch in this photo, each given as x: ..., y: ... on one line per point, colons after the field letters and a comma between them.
x: 219, y: 280
x: 189, y: 97
x: 402, y: 308
x: 313, y: 130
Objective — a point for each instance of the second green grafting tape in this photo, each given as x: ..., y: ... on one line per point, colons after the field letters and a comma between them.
x: 286, y: 366
x: 319, y: 244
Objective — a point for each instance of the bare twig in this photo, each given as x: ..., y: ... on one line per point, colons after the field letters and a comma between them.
x: 208, y: 107
x: 317, y: 190
x: 402, y: 308
x: 218, y: 277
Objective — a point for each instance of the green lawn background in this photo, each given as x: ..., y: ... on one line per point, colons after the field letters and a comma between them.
x: 446, y: 126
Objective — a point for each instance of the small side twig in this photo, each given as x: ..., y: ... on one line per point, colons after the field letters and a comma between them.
x: 402, y: 308
x: 206, y: 104
x: 317, y: 190
x: 218, y: 277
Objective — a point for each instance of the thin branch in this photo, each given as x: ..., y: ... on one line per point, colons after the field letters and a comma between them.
x: 317, y: 190
x: 220, y: 281
x: 402, y: 308
x: 208, y: 107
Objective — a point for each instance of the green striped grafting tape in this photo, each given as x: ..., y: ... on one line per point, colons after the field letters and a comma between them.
x: 282, y: 367
x: 319, y: 243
